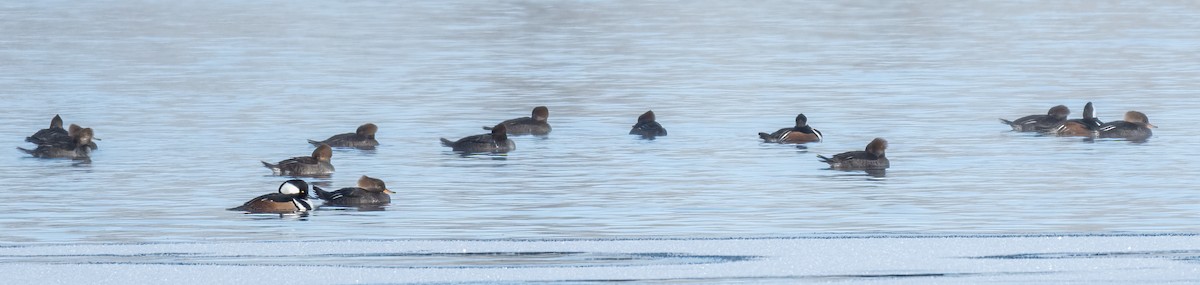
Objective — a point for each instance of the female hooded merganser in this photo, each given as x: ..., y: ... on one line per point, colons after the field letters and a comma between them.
x: 363, y: 138
x: 1040, y: 123
x: 1135, y: 127
x: 1085, y: 127
x: 316, y: 165
x: 801, y: 133
x: 75, y: 148
x: 496, y: 142
x: 291, y: 198
x: 871, y: 158
x: 535, y: 125
x: 647, y: 127
x: 370, y: 191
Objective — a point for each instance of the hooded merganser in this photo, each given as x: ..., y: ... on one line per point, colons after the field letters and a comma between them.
x: 291, y: 197
x: 316, y: 165
x: 1085, y: 127
x: 647, y: 127
x: 75, y: 148
x: 370, y: 191
x: 871, y: 158
x: 495, y: 142
x: 363, y: 137
x: 1040, y: 123
x: 1136, y: 127
x: 801, y: 133
x: 534, y: 125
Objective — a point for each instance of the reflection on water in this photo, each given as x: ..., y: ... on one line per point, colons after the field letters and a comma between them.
x: 189, y: 96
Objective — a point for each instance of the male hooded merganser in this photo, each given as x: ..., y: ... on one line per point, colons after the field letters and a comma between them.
x: 370, y: 191
x: 871, y: 158
x: 801, y: 133
x: 363, y: 138
x: 56, y: 134
x: 1085, y: 127
x: 1040, y: 123
x: 1135, y: 127
x: 75, y: 148
x: 316, y: 165
x: 496, y: 142
x: 291, y: 197
x: 535, y: 125
x: 647, y: 127
x: 54, y: 131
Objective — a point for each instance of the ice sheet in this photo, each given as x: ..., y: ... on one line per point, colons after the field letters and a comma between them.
x: 904, y: 259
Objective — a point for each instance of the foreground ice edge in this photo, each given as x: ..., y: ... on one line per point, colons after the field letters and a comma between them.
x: 1088, y: 258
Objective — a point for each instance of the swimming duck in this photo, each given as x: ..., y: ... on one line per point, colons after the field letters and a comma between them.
x: 495, y: 142
x: 370, y: 191
x: 316, y: 165
x: 292, y: 197
x: 56, y: 134
x: 1040, y: 123
x: 871, y: 158
x: 1085, y: 127
x: 75, y: 148
x: 54, y: 131
x: 534, y: 125
x: 363, y: 137
x: 647, y: 127
x: 801, y: 133
x: 1135, y: 127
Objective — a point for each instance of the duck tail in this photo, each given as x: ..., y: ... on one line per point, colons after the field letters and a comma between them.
x: 274, y: 168
x: 824, y: 159
x: 27, y: 151
x: 765, y: 137
x: 446, y: 142
x: 1006, y: 122
x: 487, y: 128
x: 321, y: 193
x: 316, y: 143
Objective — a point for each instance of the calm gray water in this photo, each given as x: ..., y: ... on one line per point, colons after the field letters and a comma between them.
x: 188, y: 96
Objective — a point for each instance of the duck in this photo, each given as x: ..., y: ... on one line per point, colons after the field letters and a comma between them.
x: 1135, y: 127
x: 316, y: 165
x: 292, y: 197
x: 647, y: 127
x: 1040, y: 123
x: 872, y: 158
x: 75, y: 148
x: 801, y: 133
x: 370, y: 191
x: 534, y: 125
x: 54, y: 131
x: 363, y: 138
x: 495, y: 142
x: 56, y: 134
x: 1085, y: 127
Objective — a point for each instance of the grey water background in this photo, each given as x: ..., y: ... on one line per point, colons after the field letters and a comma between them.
x: 189, y: 96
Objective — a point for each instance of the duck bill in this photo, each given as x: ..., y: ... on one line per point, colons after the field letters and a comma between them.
x: 388, y: 191
x: 1151, y: 126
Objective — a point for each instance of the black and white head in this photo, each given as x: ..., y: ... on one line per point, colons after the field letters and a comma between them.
x: 801, y: 120
x: 294, y: 187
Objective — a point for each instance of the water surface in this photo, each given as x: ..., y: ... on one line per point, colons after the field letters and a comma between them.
x: 188, y: 96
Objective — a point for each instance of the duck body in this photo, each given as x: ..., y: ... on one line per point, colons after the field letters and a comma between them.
x: 292, y: 197
x: 533, y: 125
x: 362, y: 138
x: 319, y: 164
x: 647, y: 126
x: 872, y: 158
x: 1040, y: 123
x: 495, y: 142
x: 801, y: 133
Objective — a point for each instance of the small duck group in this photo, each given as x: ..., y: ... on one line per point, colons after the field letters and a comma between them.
x: 1135, y: 127
x: 55, y: 142
x: 874, y: 157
